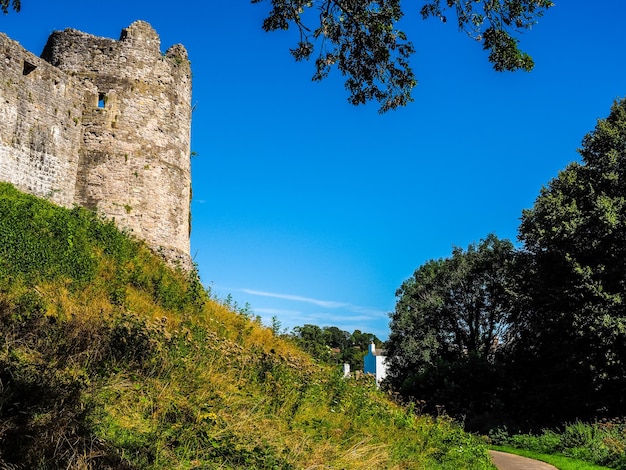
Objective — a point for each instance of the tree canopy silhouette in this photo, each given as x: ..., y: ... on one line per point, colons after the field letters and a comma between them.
x: 361, y: 38
x: 6, y: 4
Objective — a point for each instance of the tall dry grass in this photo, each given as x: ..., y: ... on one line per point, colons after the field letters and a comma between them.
x: 110, y: 359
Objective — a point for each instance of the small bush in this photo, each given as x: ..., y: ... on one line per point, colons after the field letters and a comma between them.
x: 598, y: 443
x: 578, y: 435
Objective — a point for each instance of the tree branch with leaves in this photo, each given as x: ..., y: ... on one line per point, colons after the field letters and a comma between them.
x: 361, y: 38
x: 5, y: 5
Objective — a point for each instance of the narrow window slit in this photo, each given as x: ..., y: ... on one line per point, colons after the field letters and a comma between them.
x: 28, y: 68
x: 101, y: 100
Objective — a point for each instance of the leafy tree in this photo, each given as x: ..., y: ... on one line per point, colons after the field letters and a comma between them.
x: 336, y: 338
x: 449, y: 321
x: 362, y: 340
x: 357, y: 348
x: 333, y: 345
x: 6, y: 4
x: 572, y: 325
x: 360, y: 37
x: 311, y: 339
x: 454, y: 307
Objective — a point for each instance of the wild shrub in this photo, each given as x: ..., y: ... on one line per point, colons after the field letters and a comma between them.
x: 40, y: 242
x: 109, y: 359
x: 578, y: 434
x: 601, y: 443
x: 44, y: 373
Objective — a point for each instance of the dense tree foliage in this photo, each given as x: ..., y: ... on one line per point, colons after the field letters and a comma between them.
x: 557, y: 306
x: 449, y: 321
x: 361, y: 38
x: 332, y: 345
x: 572, y: 326
x: 6, y: 4
x: 454, y: 307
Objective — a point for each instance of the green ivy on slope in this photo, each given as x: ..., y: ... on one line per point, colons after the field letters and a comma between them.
x: 109, y: 359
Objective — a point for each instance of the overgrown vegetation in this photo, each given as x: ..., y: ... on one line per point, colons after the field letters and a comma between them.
x: 332, y: 345
x: 559, y: 461
x: 534, y: 336
x: 111, y: 360
x: 601, y: 443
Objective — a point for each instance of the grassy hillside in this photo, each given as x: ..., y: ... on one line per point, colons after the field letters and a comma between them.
x: 109, y: 359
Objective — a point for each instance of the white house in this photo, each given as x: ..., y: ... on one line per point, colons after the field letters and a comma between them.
x: 375, y: 363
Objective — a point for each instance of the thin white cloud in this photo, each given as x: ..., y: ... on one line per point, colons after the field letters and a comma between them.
x: 366, y: 313
x: 277, y: 312
x: 343, y: 322
x: 292, y: 318
x: 370, y: 312
x: 297, y: 298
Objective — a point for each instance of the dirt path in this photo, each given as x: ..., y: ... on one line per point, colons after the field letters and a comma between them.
x: 506, y: 461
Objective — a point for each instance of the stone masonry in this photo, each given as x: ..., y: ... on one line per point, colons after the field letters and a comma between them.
x: 104, y: 124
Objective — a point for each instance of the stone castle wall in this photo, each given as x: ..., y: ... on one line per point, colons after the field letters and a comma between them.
x: 104, y: 124
x: 41, y: 110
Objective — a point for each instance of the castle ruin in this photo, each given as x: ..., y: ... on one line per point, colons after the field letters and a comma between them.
x: 104, y: 124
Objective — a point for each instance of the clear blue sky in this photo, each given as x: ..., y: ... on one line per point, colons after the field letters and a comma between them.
x: 315, y: 211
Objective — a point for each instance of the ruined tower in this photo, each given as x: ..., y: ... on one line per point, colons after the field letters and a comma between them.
x: 128, y: 155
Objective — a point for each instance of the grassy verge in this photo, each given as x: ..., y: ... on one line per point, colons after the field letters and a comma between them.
x: 111, y: 360
x: 600, y: 443
x: 559, y: 461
